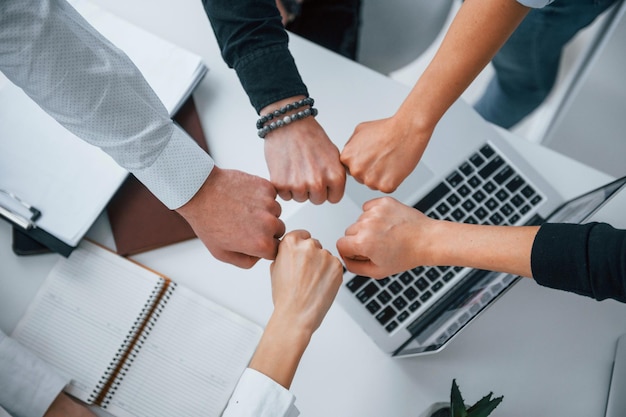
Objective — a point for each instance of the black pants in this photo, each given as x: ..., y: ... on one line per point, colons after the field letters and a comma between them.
x: 333, y: 24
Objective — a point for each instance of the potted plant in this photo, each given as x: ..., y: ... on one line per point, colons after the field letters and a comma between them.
x: 457, y: 408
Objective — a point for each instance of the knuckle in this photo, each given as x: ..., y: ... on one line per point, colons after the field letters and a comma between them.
x: 387, y: 187
x: 264, y: 244
x: 336, y: 262
x: 289, y: 238
x: 337, y: 178
x: 317, y: 187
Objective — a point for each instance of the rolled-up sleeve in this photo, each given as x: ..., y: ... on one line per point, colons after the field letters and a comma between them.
x: 257, y: 395
x: 94, y: 90
x: 28, y: 385
x: 587, y: 259
x: 254, y: 42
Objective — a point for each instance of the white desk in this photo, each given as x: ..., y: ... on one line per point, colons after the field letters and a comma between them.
x: 547, y: 352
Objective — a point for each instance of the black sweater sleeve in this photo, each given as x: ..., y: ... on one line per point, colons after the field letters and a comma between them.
x: 588, y: 259
x: 253, y: 42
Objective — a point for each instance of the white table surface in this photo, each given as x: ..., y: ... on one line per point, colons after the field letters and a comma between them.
x: 548, y: 352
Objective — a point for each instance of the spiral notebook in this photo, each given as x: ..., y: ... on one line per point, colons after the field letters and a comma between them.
x: 132, y: 341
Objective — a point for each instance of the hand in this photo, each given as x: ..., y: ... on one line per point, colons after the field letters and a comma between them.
x: 236, y: 216
x: 305, y: 281
x: 289, y: 10
x: 382, y: 153
x: 303, y: 162
x: 388, y: 238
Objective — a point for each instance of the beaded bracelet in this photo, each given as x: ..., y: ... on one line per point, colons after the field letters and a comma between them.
x: 289, y: 107
x: 262, y: 132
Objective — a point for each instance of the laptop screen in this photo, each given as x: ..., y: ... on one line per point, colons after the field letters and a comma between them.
x: 616, y: 402
x: 432, y: 330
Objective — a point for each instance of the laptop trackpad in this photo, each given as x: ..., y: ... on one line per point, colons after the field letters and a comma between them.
x: 405, y: 193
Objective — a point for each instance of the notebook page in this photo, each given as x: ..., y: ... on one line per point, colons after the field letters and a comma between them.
x: 83, y: 312
x: 190, y: 362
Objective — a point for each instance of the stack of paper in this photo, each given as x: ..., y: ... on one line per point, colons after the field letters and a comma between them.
x: 171, y: 71
x: 48, y: 167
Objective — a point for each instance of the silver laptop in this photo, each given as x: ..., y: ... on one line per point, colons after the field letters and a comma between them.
x: 468, y: 173
x: 612, y: 212
x: 616, y: 401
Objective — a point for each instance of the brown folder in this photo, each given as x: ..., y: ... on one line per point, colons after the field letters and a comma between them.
x: 139, y: 221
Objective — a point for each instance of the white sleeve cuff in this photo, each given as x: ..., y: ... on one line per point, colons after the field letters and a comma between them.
x: 28, y: 385
x: 257, y: 395
x: 535, y: 4
x: 179, y: 171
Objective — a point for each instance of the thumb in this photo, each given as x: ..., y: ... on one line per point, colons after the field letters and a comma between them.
x: 363, y: 267
x: 348, y: 248
x: 354, y: 258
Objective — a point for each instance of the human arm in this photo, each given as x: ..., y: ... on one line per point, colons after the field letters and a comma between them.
x: 382, y: 153
x: 94, y: 90
x: 302, y: 161
x: 390, y: 237
x: 305, y: 281
x: 30, y: 387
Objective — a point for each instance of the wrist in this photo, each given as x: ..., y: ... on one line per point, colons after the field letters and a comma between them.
x: 292, y: 328
x: 195, y: 202
x: 434, y: 246
x: 412, y: 124
x: 283, y: 113
x: 427, y: 102
x: 279, y: 352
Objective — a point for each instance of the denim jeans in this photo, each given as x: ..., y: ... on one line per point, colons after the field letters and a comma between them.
x: 527, y: 65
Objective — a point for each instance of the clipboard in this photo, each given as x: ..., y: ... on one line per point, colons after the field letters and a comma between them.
x: 28, y: 238
x: 55, y: 184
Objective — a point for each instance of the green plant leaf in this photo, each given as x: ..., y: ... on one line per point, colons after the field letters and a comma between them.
x: 481, y: 403
x: 457, y: 405
x: 484, y: 407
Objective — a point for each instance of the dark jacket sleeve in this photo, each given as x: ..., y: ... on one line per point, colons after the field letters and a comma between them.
x: 587, y: 259
x: 253, y: 41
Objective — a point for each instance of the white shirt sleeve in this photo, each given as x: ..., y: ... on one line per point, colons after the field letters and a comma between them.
x: 28, y: 385
x: 535, y: 4
x: 94, y: 90
x: 257, y: 395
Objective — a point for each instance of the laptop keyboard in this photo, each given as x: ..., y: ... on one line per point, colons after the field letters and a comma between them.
x: 485, y: 189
